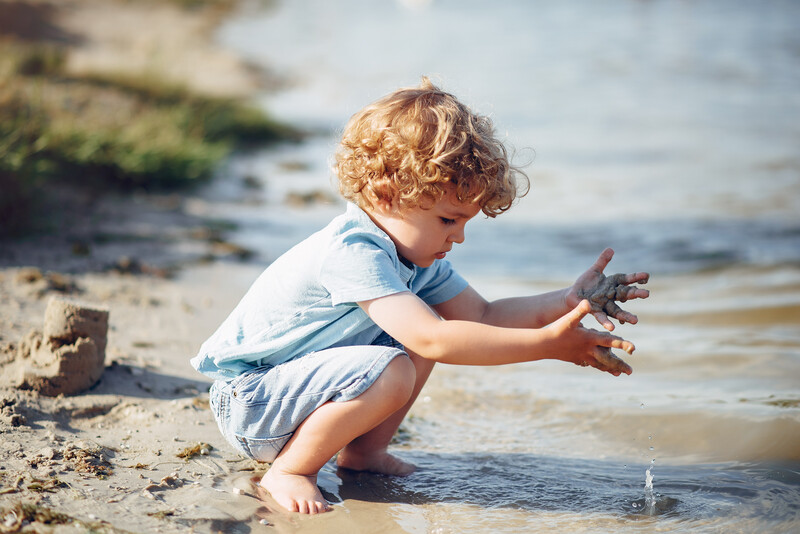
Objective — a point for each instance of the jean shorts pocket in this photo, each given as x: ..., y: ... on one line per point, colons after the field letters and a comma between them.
x: 263, y: 450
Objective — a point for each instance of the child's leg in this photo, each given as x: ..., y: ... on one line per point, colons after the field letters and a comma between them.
x: 368, y: 451
x: 292, y: 478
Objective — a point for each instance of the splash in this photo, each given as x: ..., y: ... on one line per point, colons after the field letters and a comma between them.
x: 649, y: 494
x: 648, y: 505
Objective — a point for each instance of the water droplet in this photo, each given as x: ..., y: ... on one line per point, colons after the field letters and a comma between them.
x: 642, y: 406
x: 650, y: 436
x: 652, y: 448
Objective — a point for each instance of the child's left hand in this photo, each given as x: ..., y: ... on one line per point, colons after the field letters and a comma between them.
x: 603, y: 291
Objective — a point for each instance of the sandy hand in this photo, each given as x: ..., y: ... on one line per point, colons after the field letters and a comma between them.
x: 603, y: 292
x: 610, y: 363
x: 613, y: 289
x: 587, y: 347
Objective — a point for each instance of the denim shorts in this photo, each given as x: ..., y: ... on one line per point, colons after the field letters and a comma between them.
x: 258, y: 411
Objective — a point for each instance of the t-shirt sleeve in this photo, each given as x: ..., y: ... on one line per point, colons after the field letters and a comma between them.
x: 355, y: 269
x: 438, y: 283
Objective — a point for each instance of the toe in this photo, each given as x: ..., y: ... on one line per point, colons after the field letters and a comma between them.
x: 316, y: 507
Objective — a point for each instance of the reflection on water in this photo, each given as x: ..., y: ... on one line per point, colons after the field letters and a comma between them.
x: 666, y: 130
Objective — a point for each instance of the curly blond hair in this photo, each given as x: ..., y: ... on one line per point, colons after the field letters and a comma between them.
x: 408, y: 146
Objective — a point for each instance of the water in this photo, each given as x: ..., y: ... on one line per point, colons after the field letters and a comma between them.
x: 650, y: 498
x: 667, y: 130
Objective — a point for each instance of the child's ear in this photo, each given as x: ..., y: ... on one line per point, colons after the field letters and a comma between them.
x: 383, y: 206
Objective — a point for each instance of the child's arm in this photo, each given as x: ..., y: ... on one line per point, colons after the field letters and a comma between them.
x: 537, y: 311
x: 409, y: 320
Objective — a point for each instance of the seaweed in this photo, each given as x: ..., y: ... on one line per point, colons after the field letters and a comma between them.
x: 195, y: 450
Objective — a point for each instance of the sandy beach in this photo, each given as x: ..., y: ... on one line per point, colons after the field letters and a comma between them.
x: 139, y: 450
x: 683, y: 129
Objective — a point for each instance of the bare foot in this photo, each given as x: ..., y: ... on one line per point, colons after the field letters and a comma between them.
x: 375, y: 462
x: 296, y: 493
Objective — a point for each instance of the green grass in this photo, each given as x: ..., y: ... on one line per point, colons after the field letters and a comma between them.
x: 100, y: 131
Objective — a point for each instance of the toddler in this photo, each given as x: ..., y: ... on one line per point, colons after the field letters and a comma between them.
x: 331, y: 345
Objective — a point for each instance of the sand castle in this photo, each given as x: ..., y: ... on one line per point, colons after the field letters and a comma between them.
x: 69, y: 357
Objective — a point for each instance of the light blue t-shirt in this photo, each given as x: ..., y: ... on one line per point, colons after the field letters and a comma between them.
x: 307, y: 299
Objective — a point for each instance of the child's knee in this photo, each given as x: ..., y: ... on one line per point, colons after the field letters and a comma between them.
x: 401, y: 376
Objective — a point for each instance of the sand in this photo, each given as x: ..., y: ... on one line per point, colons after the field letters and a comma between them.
x: 139, y: 450
x: 68, y: 357
x: 130, y: 446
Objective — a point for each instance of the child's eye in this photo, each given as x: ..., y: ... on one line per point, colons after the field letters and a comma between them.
x: 445, y: 220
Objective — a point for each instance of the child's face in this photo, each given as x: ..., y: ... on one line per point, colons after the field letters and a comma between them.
x: 424, y: 235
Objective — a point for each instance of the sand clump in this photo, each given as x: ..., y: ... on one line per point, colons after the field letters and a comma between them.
x: 80, y: 456
x: 69, y: 357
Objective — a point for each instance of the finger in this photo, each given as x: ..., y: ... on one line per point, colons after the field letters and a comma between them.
x: 603, y: 319
x: 601, y: 366
x: 611, y: 308
x: 600, y: 359
x: 639, y: 293
x: 631, y: 292
x: 622, y: 282
x: 603, y: 260
x: 626, y: 317
x: 632, y: 278
x: 624, y: 293
x: 614, y: 342
x: 575, y: 316
x: 610, y: 362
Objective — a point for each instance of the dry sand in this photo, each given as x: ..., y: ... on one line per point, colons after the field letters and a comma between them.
x: 139, y: 451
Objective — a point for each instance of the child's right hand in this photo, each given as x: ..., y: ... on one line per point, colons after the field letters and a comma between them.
x: 582, y: 346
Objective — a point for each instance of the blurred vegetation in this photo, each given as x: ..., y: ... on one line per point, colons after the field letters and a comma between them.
x: 103, y: 131
x: 225, y: 5
x: 192, y: 4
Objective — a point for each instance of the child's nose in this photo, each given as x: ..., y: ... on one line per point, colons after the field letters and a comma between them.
x: 457, y: 236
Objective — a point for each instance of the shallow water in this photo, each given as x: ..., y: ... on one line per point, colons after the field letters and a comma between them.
x: 667, y: 130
